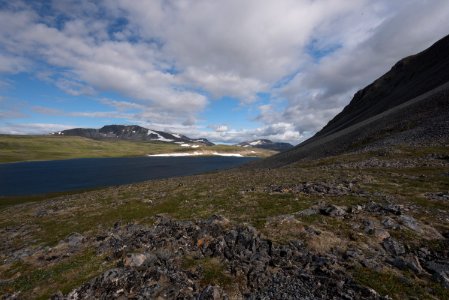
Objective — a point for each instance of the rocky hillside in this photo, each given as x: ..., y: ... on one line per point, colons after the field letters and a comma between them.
x: 266, y: 144
x: 355, y: 226
x: 407, y: 105
x: 132, y: 132
x: 407, y: 79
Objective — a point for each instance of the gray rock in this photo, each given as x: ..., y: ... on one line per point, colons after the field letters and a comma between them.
x: 75, y: 239
x: 369, y: 226
x: 134, y: 260
x: 393, y: 247
x: 333, y: 211
x: 307, y: 212
x: 440, y: 270
x: 389, y: 223
x: 394, y: 209
x: 411, y: 223
x: 212, y: 293
x: 381, y: 234
x: 410, y: 262
x: 440, y: 196
x: 356, y: 209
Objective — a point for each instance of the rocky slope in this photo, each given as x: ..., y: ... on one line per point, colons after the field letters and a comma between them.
x: 132, y: 132
x: 266, y: 144
x: 407, y: 79
x: 171, y: 256
x: 409, y: 104
x: 370, y: 224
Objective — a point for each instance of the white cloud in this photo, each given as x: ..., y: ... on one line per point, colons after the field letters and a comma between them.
x: 171, y: 58
x: 322, y: 89
x: 219, y: 128
x: 32, y: 128
x: 121, y: 105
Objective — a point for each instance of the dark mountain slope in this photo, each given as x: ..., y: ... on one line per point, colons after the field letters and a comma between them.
x: 131, y: 132
x: 266, y: 144
x: 409, y: 104
x: 407, y: 79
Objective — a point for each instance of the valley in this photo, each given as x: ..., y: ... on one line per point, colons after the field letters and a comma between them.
x: 373, y: 219
x: 28, y: 148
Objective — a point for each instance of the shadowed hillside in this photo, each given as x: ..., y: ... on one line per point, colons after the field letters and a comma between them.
x: 409, y: 104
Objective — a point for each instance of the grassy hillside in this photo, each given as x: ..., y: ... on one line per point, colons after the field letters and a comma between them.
x: 25, y: 148
x: 285, y: 204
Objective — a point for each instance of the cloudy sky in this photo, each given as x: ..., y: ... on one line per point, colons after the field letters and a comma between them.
x: 227, y: 70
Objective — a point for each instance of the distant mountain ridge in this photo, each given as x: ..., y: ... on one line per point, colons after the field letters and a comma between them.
x: 266, y: 144
x: 132, y: 132
x: 407, y: 105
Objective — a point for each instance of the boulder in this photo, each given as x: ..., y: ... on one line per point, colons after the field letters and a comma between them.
x: 440, y: 270
x: 411, y: 223
x: 333, y: 211
x: 75, y: 239
x: 393, y: 247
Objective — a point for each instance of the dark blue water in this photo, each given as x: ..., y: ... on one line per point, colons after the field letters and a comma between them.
x: 42, y: 177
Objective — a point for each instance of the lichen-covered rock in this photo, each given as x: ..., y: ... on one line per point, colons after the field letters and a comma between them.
x: 206, y: 259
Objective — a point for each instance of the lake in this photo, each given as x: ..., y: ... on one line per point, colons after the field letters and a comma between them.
x: 42, y: 177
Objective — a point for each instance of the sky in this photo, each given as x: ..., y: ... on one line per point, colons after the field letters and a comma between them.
x: 229, y: 71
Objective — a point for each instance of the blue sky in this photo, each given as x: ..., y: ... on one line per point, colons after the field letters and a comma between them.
x: 225, y: 70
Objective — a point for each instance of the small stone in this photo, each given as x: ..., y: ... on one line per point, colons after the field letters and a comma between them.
x: 370, y: 227
x: 307, y: 212
x: 389, y: 223
x: 75, y: 239
x: 333, y: 211
x: 394, y: 208
x: 393, y: 246
x: 212, y: 293
x: 407, y: 263
x: 410, y: 223
x: 41, y: 213
x: 134, y: 260
x: 57, y: 296
x: 440, y: 270
x: 356, y: 209
x: 381, y: 234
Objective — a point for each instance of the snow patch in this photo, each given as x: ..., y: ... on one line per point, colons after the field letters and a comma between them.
x: 177, y: 154
x: 228, y: 154
x: 196, y: 153
x: 159, y: 137
x: 255, y: 143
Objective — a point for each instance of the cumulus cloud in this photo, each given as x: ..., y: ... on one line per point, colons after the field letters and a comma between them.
x: 33, y: 128
x: 323, y: 88
x: 219, y: 128
x: 168, y: 59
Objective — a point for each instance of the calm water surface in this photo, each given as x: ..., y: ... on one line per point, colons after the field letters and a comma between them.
x: 41, y: 177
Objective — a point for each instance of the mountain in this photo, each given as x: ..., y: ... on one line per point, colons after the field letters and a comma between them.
x: 266, y: 144
x: 132, y: 132
x: 409, y: 104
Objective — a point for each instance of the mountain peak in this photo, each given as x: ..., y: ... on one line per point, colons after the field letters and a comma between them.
x: 266, y: 144
x: 133, y: 132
